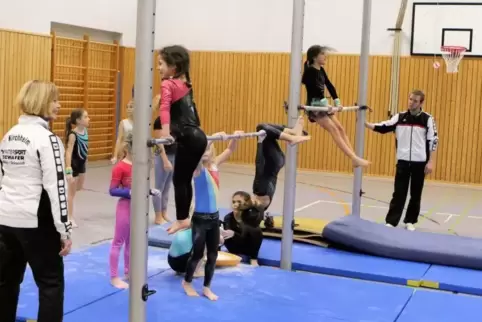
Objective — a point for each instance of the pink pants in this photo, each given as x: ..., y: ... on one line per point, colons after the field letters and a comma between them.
x: 121, y: 238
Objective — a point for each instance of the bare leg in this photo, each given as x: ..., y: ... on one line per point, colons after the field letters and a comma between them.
x: 295, y: 135
x: 342, y: 131
x: 330, y: 126
x: 80, y: 182
x: 293, y: 139
x: 70, y: 201
x: 298, y: 128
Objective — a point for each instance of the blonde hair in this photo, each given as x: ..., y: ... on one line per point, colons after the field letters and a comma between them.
x: 128, y: 142
x: 130, y: 105
x: 35, y: 98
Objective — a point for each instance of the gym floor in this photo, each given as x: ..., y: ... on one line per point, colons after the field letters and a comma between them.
x: 450, y: 209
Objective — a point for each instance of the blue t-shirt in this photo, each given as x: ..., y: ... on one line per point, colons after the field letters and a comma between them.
x: 206, y: 190
x: 182, y: 243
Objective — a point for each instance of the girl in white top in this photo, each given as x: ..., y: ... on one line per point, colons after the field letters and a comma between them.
x: 125, y: 126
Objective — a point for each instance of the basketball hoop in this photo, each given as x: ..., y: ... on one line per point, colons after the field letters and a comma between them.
x: 452, y: 56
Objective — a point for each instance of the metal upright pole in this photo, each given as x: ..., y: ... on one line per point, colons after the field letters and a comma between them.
x: 294, y: 100
x: 118, y: 113
x: 362, y: 100
x: 138, y: 290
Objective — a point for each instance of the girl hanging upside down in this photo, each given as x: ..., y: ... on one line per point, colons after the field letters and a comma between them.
x: 315, y: 79
x: 120, y: 186
x: 180, y: 119
x: 270, y: 159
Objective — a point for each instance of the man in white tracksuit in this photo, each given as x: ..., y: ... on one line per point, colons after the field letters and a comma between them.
x: 416, y: 141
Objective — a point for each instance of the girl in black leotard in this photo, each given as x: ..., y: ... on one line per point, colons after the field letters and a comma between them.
x: 77, y: 140
x: 180, y: 119
x: 315, y: 79
x: 270, y: 159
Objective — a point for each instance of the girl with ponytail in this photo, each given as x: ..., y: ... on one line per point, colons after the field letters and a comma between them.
x: 77, y: 141
x: 315, y: 79
x: 179, y: 118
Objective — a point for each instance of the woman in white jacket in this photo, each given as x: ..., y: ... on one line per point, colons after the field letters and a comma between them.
x: 34, y: 224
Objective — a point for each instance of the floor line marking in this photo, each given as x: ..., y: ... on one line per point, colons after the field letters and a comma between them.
x: 447, y: 214
x: 308, y: 205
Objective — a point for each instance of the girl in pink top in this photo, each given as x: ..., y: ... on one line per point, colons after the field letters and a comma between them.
x: 180, y: 119
x: 120, y: 186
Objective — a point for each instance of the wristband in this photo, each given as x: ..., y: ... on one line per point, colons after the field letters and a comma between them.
x: 68, y: 171
x: 337, y: 102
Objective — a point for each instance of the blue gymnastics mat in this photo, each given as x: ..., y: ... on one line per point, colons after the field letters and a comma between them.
x: 376, y: 239
x: 453, y: 279
x: 86, y: 279
x: 428, y: 306
x: 256, y: 294
x: 331, y: 261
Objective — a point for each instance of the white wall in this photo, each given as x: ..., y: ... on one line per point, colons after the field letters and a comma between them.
x: 229, y: 25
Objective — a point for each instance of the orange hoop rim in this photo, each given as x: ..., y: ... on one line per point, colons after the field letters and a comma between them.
x: 453, y: 49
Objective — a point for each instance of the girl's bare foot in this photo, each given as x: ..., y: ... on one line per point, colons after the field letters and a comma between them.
x: 359, y: 162
x: 300, y: 123
x: 179, y: 225
x: 254, y: 262
x: 209, y: 294
x: 118, y: 283
x: 161, y: 218
x: 299, y: 139
x: 190, y: 291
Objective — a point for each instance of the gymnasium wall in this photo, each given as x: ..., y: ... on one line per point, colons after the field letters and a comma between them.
x: 221, y: 25
x: 237, y: 87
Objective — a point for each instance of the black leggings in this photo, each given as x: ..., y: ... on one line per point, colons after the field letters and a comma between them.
x: 247, y: 244
x: 205, y: 234
x: 191, y: 145
x: 270, y: 159
x: 39, y: 247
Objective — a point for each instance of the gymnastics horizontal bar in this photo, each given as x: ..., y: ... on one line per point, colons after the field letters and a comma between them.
x: 331, y: 108
x: 219, y: 137
x: 169, y: 141
x: 164, y: 141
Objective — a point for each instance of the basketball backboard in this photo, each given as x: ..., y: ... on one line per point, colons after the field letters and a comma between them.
x: 446, y: 24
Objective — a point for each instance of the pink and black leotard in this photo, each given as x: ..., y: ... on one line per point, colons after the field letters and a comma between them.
x: 179, y: 111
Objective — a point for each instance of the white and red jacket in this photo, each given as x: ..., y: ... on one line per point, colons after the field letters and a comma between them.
x: 416, y: 135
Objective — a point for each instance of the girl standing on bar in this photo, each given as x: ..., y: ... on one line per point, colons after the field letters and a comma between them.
x: 180, y: 119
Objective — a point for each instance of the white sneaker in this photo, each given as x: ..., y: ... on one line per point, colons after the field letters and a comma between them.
x: 74, y: 224
x: 410, y: 227
x: 388, y: 225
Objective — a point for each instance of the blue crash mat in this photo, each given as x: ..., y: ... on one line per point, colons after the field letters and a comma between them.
x: 336, y: 262
x: 454, y: 279
x: 428, y: 306
x: 256, y: 294
x: 376, y: 239
x: 86, y: 279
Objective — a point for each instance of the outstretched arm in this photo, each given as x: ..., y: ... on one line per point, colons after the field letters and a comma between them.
x: 226, y: 154
x: 385, y: 126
